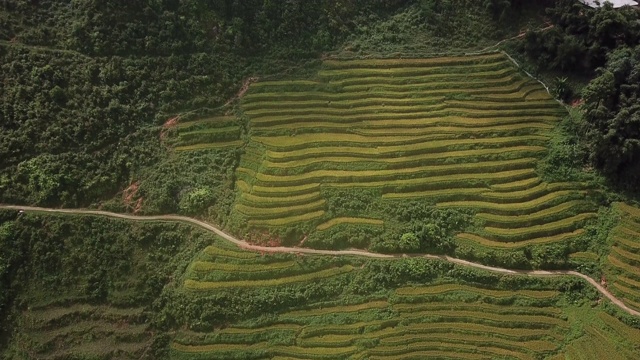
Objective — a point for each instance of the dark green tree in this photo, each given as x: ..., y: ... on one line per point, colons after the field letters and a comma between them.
x: 612, y: 114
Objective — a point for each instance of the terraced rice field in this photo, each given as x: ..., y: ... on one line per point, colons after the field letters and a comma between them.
x: 53, y: 332
x: 602, y: 341
x: 440, y: 320
x: 413, y: 323
x: 220, y: 132
x: 623, y: 263
x: 218, y: 267
x: 458, y: 132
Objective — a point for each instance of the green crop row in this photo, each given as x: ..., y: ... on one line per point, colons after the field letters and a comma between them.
x: 270, y: 191
x: 480, y: 340
x: 447, y: 305
x: 531, y: 193
x: 630, y: 283
x: 436, y: 115
x: 216, y: 347
x: 431, y: 354
x: 205, y: 266
x: 341, y: 78
x: 216, y: 251
x: 283, y: 83
x: 201, y: 285
x: 517, y: 90
x: 438, y: 182
x: 443, y: 304
x: 540, y: 94
x: 457, y: 349
x: 446, y: 288
x: 405, y: 62
x: 620, y: 328
x: 250, y: 99
x: 332, y: 341
x: 347, y: 103
x: 256, y: 114
x: 439, y: 146
x: 629, y: 296
x: 509, y: 86
x: 499, y: 105
x: 272, y: 201
x: 448, y: 87
x: 476, y: 239
x: 218, y: 145
x: 472, y: 328
x: 269, y: 328
x: 633, y: 211
x: 349, y: 220
x: 338, y: 309
x: 287, y: 220
x: 337, y: 140
x: 522, y: 208
x: 517, y: 321
x: 454, y: 129
x: 315, y: 352
x: 547, y: 229
x: 398, y: 161
x: 346, y: 176
x: 529, y: 87
x: 517, y: 185
x: 274, y: 212
x: 347, y: 68
x: 626, y: 236
x: 423, y: 110
x: 621, y: 265
x: 419, y: 76
x: 455, y: 64
x: 631, y: 226
x: 243, y: 186
x: 460, y: 121
x: 625, y: 242
x: 534, y: 218
x: 626, y: 255
x: 216, y: 120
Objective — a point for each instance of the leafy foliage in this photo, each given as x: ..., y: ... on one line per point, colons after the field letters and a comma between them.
x: 582, y: 36
x: 612, y: 116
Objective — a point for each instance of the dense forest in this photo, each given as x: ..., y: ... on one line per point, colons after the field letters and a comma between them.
x: 89, y: 86
x: 599, y: 44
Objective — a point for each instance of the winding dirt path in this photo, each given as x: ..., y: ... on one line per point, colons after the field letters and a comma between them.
x: 282, y: 249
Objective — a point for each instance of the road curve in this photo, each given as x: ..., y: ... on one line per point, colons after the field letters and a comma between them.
x: 282, y: 249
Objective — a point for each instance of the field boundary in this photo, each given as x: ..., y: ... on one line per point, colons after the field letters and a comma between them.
x: 282, y: 249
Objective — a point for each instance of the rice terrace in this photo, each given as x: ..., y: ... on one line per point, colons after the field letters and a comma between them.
x: 462, y: 132
x: 332, y: 180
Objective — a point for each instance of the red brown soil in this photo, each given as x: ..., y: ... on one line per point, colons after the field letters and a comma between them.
x: 263, y: 239
x: 303, y: 240
x: 128, y: 196
x: 170, y: 123
x: 577, y: 102
x: 243, y: 89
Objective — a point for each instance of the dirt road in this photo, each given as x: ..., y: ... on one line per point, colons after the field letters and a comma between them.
x: 282, y: 249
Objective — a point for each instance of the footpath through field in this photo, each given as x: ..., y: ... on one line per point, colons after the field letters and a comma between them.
x: 282, y: 249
